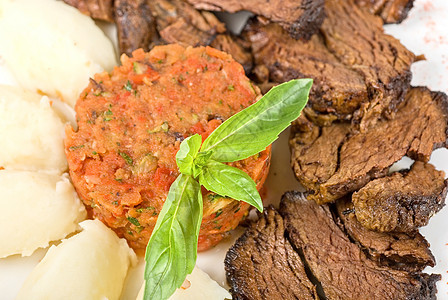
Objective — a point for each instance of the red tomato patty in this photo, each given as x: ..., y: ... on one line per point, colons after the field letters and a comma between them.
x: 130, y: 125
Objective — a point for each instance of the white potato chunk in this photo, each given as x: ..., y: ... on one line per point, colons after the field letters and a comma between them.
x: 52, y: 47
x: 36, y: 208
x: 90, y: 265
x: 198, y: 285
x: 32, y: 132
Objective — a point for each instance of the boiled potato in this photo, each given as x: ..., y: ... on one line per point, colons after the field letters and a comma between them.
x: 36, y: 208
x: 51, y: 47
x: 90, y: 265
x: 32, y: 133
x: 198, y: 285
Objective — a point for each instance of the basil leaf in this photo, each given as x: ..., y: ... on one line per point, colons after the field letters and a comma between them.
x: 172, y: 249
x: 254, y: 128
x: 229, y: 181
x: 187, y: 152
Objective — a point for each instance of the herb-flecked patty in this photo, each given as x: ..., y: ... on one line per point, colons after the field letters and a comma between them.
x: 130, y: 125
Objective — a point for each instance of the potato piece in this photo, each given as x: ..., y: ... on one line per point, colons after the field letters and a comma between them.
x: 90, y: 265
x: 36, y: 208
x: 32, y: 133
x: 52, y: 47
x: 198, y: 286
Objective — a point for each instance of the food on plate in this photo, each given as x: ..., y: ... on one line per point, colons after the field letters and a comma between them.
x: 197, y: 28
x: 402, y: 201
x: 111, y: 172
x: 321, y: 247
x: 143, y: 24
x: 262, y: 264
x: 301, y: 19
x: 51, y: 47
x: 391, y: 11
x: 130, y: 125
x: 359, y: 72
x: 179, y: 22
x: 402, y: 251
x: 237, y: 47
x: 31, y: 132
x: 136, y: 27
x: 97, y: 9
x: 43, y: 206
x: 198, y: 285
x: 350, y: 161
x: 171, y: 254
x: 341, y: 267
x: 90, y: 265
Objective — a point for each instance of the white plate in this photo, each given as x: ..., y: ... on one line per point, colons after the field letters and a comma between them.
x: 425, y: 31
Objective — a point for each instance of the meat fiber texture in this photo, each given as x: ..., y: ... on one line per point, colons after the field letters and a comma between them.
x: 391, y: 11
x: 340, y: 266
x: 262, y: 264
x: 51, y: 47
x: 403, y: 201
x: 32, y: 132
x: 179, y: 22
x: 136, y: 26
x: 144, y: 24
x: 359, y: 72
x: 301, y: 19
x: 37, y: 208
x: 402, y: 251
x: 304, y: 248
x: 90, y: 265
x: 97, y: 9
x: 350, y: 160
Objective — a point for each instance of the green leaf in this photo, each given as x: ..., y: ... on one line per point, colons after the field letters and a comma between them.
x: 254, y: 128
x: 126, y: 158
x: 133, y: 221
x: 172, y: 249
x: 128, y: 86
x: 187, y: 153
x: 229, y: 181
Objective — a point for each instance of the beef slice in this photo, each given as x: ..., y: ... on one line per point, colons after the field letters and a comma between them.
x: 402, y: 251
x: 420, y: 125
x: 402, y: 201
x: 341, y: 267
x: 391, y: 11
x: 359, y: 72
x: 300, y: 18
x: 263, y: 265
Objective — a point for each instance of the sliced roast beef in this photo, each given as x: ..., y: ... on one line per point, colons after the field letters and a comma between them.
x: 134, y: 20
x: 341, y: 267
x: 144, y: 24
x: 315, y: 151
x: 400, y: 251
x: 136, y: 26
x: 336, y: 89
x: 236, y: 47
x: 97, y: 9
x: 403, y: 201
x: 300, y: 18
x: 391, y: 11
x: 179, y: 22
x: 420, y: 125
x: 263, y: 265
x: 359, y: 71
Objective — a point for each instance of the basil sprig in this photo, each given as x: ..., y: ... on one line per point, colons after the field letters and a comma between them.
x: 172, y: 249
x: 256, y: 127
